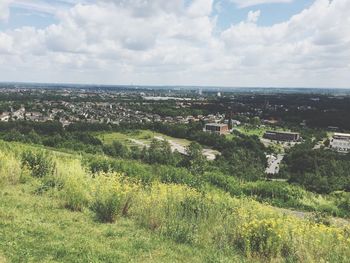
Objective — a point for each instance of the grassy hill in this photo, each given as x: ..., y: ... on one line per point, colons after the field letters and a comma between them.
x: 53, y: 209
x: 36, y: 228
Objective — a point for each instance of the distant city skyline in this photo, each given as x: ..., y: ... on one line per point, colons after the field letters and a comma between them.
x: 224, y: 43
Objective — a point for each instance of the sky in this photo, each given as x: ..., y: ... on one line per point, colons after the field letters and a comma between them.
x: 234, y: 43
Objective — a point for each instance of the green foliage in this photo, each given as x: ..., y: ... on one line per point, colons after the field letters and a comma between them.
x: 227, y: 183
x: 117, y: 149
x: 259, y: 238
x: 145, y: 173
x: 36, y: 229
x: 40, y: 163
x: 321, y: 171
x: 160, y: 152
x: 280, y: 193
x: 76, y: 183
x: 320, y: 218
x: 342, y: 200
x: 208, y: 218
x: 107, y: 201
x: 10, y: 169
x: 99, y: 165
x: 195, y: 160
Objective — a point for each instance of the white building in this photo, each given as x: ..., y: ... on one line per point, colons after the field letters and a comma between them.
x: 5, y: 116
x: 340, y: 142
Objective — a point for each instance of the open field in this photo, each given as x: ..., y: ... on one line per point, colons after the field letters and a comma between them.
x: 143, y: 138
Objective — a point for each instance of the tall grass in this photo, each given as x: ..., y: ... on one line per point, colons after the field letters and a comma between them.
x: 10, y: 168
x: 111, y: 197
x: 76, y: 185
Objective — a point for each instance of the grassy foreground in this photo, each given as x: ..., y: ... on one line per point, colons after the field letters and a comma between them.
x: 52, y: 209
x: 37, y: 229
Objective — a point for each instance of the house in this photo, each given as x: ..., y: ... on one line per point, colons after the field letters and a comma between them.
x: 216, y: 128
x: 34, y: 116
x: 282, y: 136
x: 340, y: 142
x: 5, y: 116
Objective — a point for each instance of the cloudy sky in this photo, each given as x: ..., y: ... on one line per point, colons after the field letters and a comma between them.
x: 263, y: 43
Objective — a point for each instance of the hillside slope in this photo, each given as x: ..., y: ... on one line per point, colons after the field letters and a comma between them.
x: 54, y: 209
x: 35, y: 228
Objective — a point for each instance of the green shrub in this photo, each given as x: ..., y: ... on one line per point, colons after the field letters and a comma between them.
x: 111, y: 198
x: 342, y: 200
x: 39, y: 163
x: 320, y: 218
x: 99, y: 165
x: 227, y: 183
x: 263, y: 238
x: 280, y: 193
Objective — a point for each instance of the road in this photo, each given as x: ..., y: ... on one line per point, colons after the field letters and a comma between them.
x: 274, y: 164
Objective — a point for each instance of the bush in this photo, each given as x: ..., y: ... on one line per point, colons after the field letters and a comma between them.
x: 227, y: 183
x: 111, y: 198
x: 342, y: 200
x: 39, y: 163
x: 279, y: 193
x: 263, y: 238
x: 99, y: 165
x: 320, y: 218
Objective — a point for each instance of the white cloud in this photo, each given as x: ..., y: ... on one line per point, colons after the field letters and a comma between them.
x: 201, y: 8
x: 4, y: 9
x: 315, y: 41
x: 171, y: 42
x: 253, y: 16
x: 247, y: 3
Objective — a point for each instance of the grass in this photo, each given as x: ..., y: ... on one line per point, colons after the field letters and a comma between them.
x: 144, y: 136
x: 37, y: 229
x: 250, y: 130
x: 162, y: 222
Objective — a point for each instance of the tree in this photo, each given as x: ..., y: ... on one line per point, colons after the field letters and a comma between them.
x: 255, y: 121
x: 33, y: 137
x: 160, y: 152
x: 120, y: 150
x: 195, y: 161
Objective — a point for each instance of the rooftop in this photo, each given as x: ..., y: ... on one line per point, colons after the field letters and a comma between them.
x: 216, y: 124
x: 342, y: 134
x: 283, y: 132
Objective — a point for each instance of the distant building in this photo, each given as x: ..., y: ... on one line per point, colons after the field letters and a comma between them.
x: 235, y: 122
x: 5, y: 116
x: 282, y: 136
x: 340, y: 142
x: 216, y: 128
